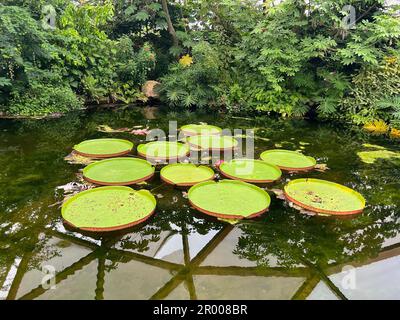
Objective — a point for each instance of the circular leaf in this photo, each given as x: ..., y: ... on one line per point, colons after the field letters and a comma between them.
x: 118, y: 171
x: 324, y: 197
x: 289, y: 160
x: 250, y: 170
x: 103, y: 148
x: 186, y: 174
x: 163, y: 150
x: 108, y: 208
x: 229, y: 199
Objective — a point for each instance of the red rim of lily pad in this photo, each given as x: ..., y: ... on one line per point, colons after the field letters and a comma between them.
x: 320, y: 210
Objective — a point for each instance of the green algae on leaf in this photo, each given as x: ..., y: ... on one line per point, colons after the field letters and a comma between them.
x: 324, y: 197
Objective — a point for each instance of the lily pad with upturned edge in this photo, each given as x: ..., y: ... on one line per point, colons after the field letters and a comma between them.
x: 249, y: 170
x: 289, y: 160
x: 118, y: 171
x: 324, y: 197
x: 186, y: 174
x: 163, y: 150
x: 108, y: 208
x: 103, y: 148
x: 213, y: 142
x: 200, y: 129
x: 229, y: 199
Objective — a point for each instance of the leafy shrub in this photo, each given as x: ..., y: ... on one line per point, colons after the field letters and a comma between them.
x: 374, y: 93
x: 189, y: 85
x: 44, y: 100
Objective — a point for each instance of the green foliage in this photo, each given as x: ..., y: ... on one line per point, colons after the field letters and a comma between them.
x: 374, y: 94
x: 294, y: 59
x: 43, y: 100
x: 76, y: 59
x: 195, y: 84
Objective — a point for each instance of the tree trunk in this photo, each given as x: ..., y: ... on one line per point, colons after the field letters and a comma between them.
x: 171, y: 28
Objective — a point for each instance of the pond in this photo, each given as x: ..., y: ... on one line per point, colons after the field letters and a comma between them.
x: 180, y: 253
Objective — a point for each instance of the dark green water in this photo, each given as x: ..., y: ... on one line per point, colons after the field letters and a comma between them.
x: 182, y: 254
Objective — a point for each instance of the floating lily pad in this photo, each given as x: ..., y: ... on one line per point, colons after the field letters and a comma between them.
x: 186, y: 174
x: 289, y: 160
x: 229, y: 199
x: 118, y: 171
x: 200, y: 129
x: 108, y: 208
x: 250, y: 170
x: 163, y: 150
x: 324, y: 197
x: 103, y: 148
x: 213, y: 142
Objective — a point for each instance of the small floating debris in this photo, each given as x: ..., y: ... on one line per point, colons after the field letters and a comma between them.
x: 118, y: 171
x: 163, y: 150
x: 108, y: 208
x: 107, y: 129
x: 186, y: 174
x: 324, y: 197
x: 200, y: 129
x: 103, y: 148
x: 219, y: 143
x: 75, y: 158
x: 229, y: 199
x: 289, y: 160
x: 249, y: 170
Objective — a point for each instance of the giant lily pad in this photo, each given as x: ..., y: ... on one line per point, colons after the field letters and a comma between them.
x: 229, y: 199
x: 212, y: 142
x: 108, y: 208
x: 186, y: 174
x: 103, y: 148
x: 118, y: 171
x: 250, y: 170
x: 200, y: 129
x: 163, y: 150
x: 324, y: 197
x: 289, y: 160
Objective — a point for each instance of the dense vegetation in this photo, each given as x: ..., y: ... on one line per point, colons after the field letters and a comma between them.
x: 292, y: 58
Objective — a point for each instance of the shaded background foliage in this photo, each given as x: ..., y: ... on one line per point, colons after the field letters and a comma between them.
x: 292, y: 58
